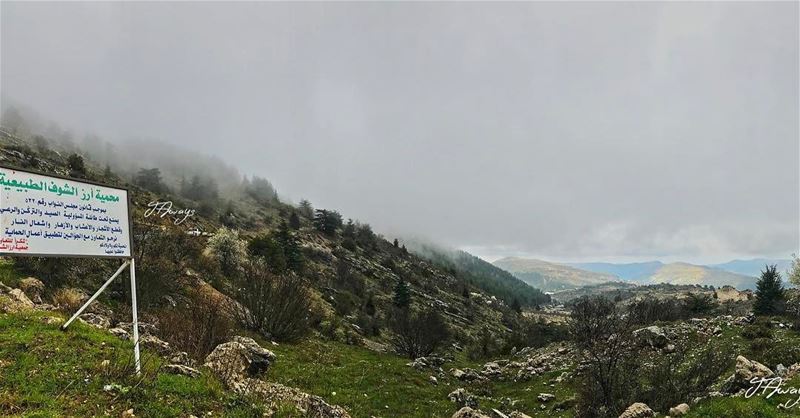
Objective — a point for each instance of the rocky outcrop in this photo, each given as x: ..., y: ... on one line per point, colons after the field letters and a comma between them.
x: 14, y: 300
x: 545, y: 397
x: 240, y: 362
x: 679, y: 411
x: 32, y: 287
x: 463, y: 398
x: 466, y: 375
x: 423, y: 363
x: 638, y: 410
x: 746, y: 370
x: 95, y: 320
x: 653, y: 336
x: 467, y: 412
x: 238, y: 359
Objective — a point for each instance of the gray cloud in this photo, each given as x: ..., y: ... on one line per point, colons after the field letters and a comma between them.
x: 562, y: 130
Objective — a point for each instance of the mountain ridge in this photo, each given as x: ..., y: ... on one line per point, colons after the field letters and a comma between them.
x: 548, y: 277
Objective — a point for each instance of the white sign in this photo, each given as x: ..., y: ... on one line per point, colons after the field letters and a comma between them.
x: 44, y: 215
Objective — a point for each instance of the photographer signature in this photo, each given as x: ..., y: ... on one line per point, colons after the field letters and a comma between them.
x: 770, y: 386
x: 162, y: 209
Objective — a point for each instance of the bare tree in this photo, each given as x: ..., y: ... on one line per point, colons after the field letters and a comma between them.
x: 418, y: 334
x: 275, y: 305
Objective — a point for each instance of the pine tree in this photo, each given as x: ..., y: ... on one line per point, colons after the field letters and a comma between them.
x: 396, y: 243
x: 402, y: 294
x: 369, y: 306
x: 515, y: 306
x: 291, y: 249
x: 769, y: 292
x: 305, y: 209
x: 77, y: 168
x: 327, y: 221
x: 294, y: 221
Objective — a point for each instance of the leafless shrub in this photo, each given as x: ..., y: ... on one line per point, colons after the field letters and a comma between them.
x: 418, y: 334
x: 605, y: 337
x: 197, y: 326
x: 277, y: 306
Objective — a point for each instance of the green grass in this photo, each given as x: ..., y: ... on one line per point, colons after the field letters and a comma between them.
x: 8, y: 275
x: 46, y: 372
x: 368, y: 383
x: 757, y: 406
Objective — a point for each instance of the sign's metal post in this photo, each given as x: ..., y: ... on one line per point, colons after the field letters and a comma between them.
x: 135, y: 318
x: 96, y: 294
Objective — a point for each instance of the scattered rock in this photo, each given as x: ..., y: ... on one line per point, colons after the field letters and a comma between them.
x: 120, y: 333
x: 467, y: 412
x: 463, y: 398
x: 638, y: 410
x: 313, y: 406
x: 491, y: 370
x: 746, y: 370
x: 14, y: 301
x: 517, y: 414
x: 52, y: 320
x: 467, y: 374
x: 21, y: 297
x: 239, y: 358
x: 433, y: 380
x: 678, y: 411
x: 155, y: 343
x: 781, y: 370
x: 793, y: 371
x: 96, y: 320
x: 670, y: 348
x: 423, y: 363
x: 181, y: 357
x: 128, y: 414
x: 32, y: 287
x: 545, y: 397
x: 182, y: 370
x: 653, y: 336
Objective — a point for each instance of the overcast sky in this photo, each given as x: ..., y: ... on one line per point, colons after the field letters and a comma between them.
x: 566, y: 131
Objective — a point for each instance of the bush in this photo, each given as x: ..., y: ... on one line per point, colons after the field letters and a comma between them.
x: 162, y: 256
x: 231, y: 253
x: 198, y: 326
x: 485, y: 345
x: 68, y: 300
x: 277, y: 306
x: 527, y: 332
x: 605, y: 337
x: 418, y: 334
x: 759, y: 329
x: 678, y: 377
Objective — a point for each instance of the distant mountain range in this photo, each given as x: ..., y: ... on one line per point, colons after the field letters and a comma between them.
x: 741, y: 274
x: 551, y: 277
x: 754, y: 267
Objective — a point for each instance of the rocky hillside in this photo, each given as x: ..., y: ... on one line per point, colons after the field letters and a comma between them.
x: 481, y: 274
x: 346, y: 273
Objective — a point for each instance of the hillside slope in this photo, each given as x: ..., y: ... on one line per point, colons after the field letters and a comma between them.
x: 625, y: 271
x: 551, y: 276
x: 752, y: 267
x: 481, y: 274
x: 684, y: 273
